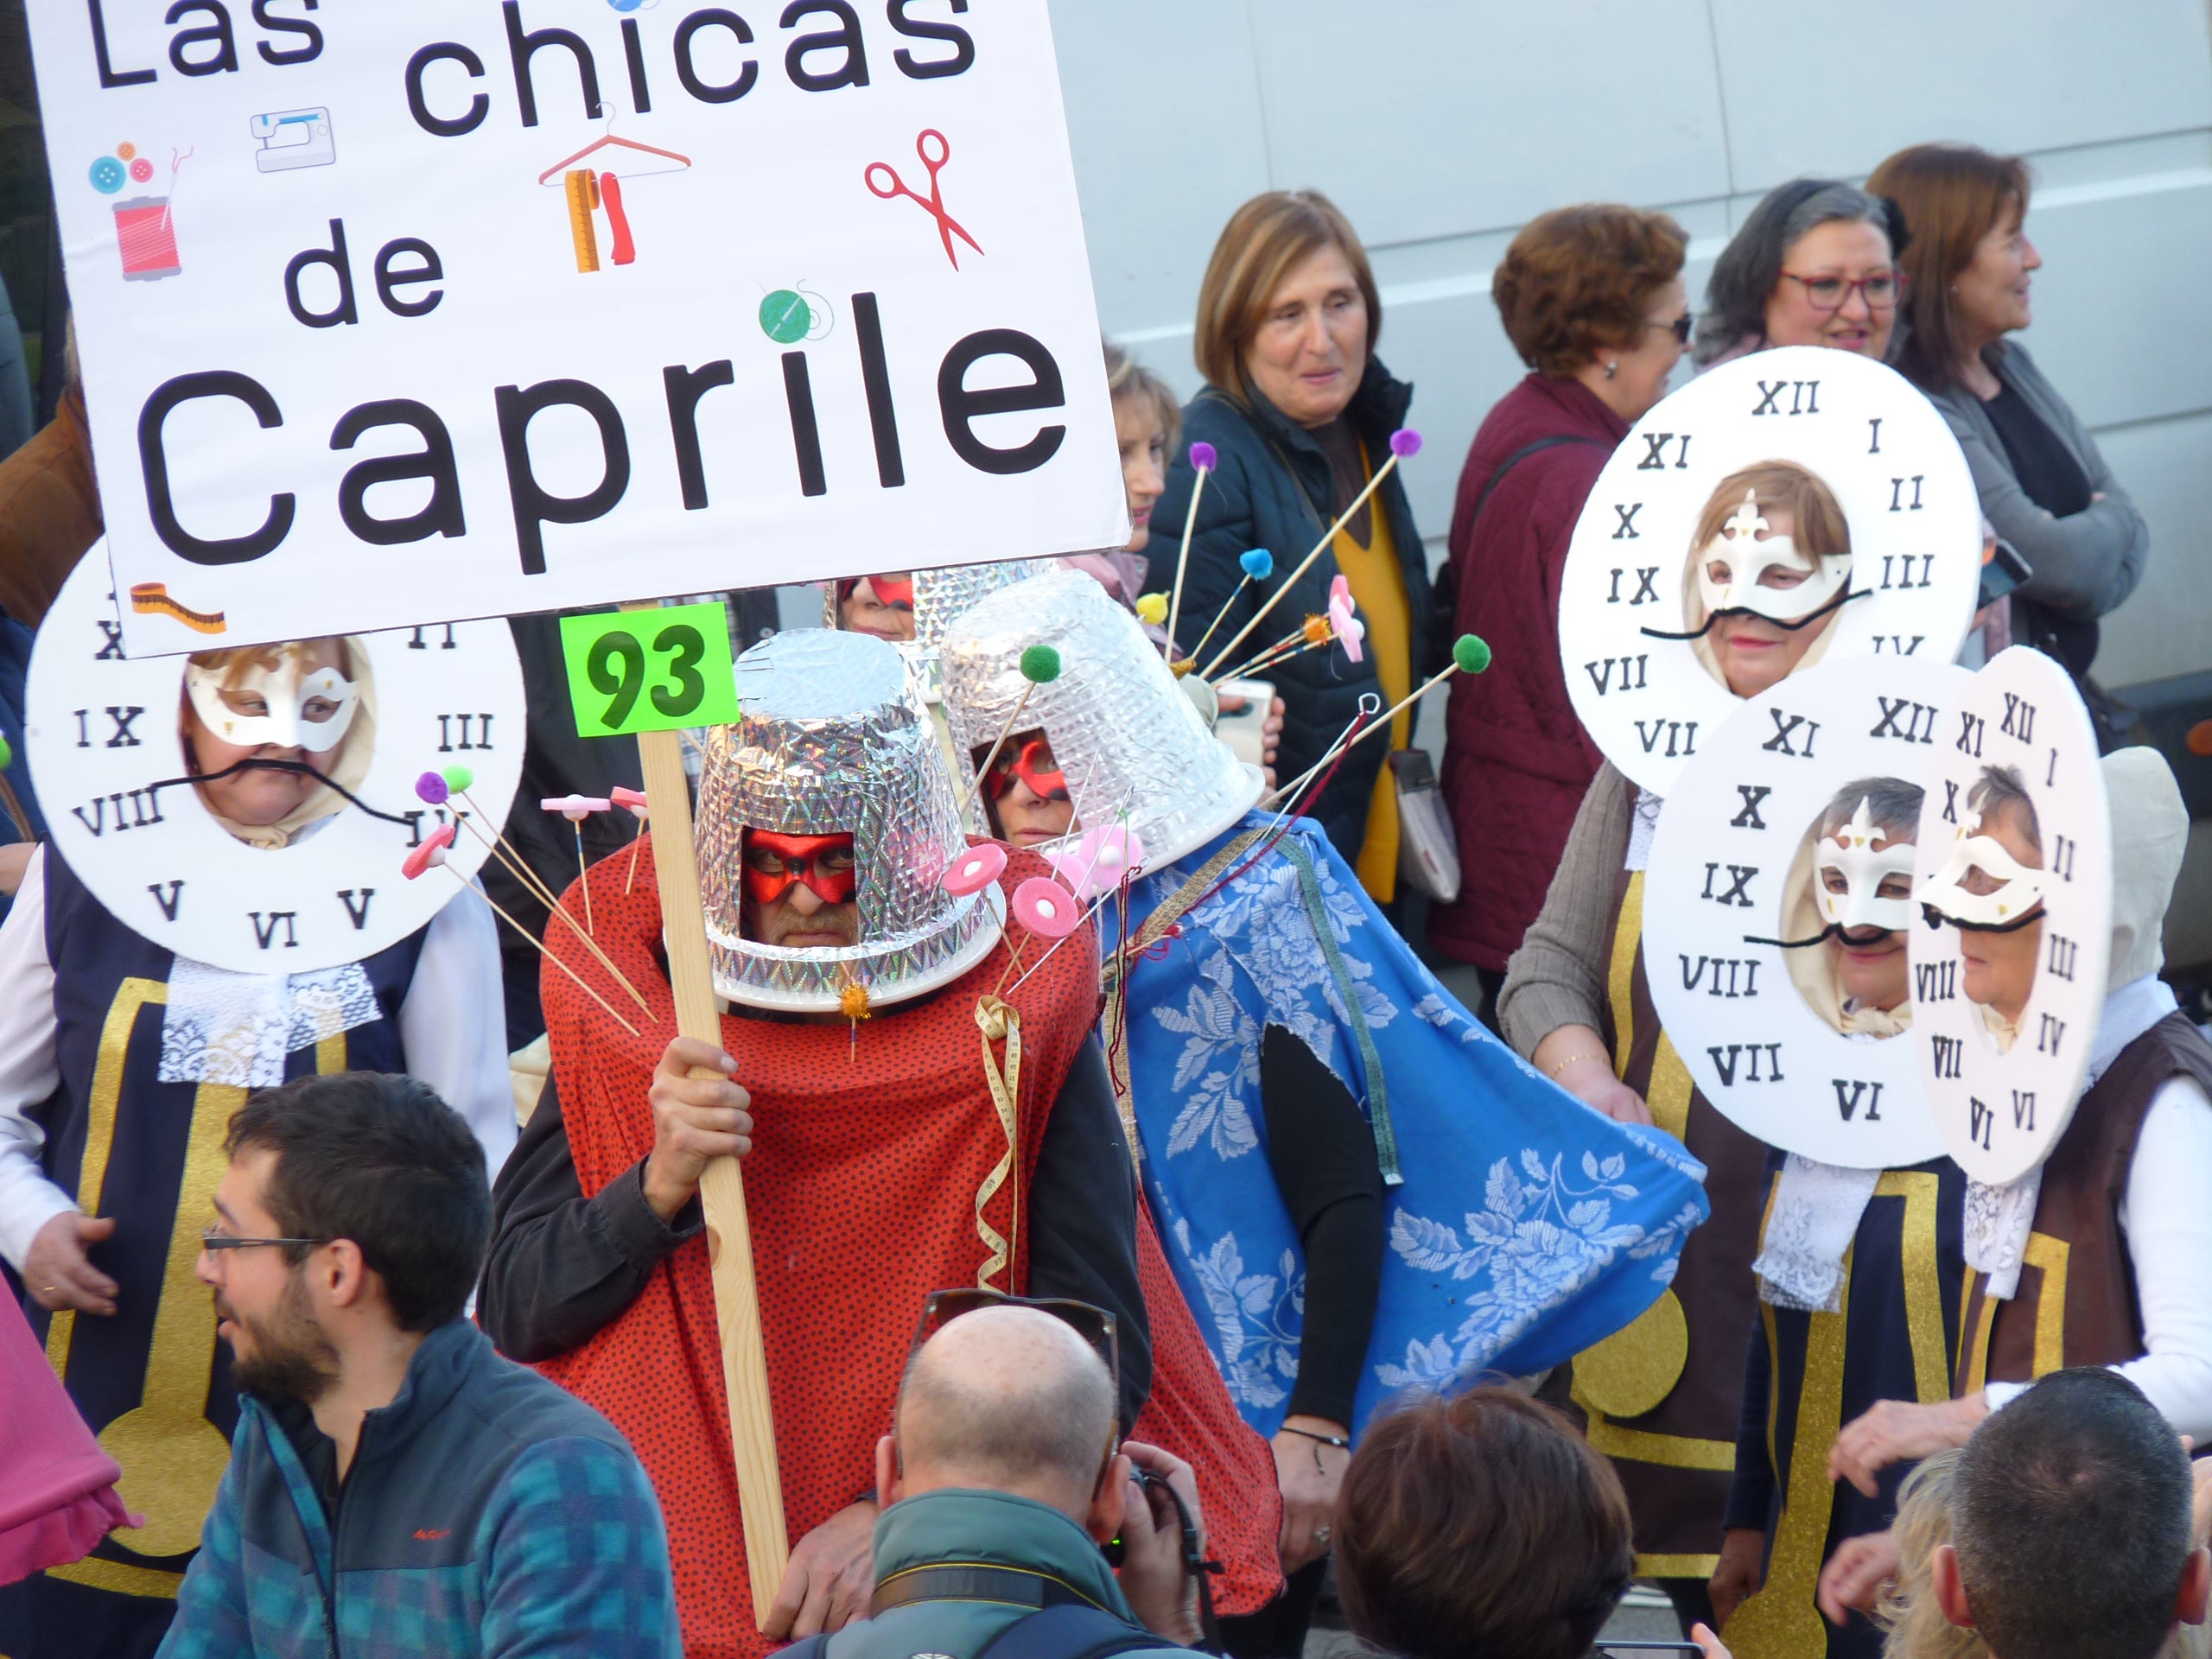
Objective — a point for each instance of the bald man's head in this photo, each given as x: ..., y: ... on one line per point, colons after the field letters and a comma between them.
x: 1008, y: 1400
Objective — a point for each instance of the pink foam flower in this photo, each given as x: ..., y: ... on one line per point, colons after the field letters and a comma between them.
x: 1097, y: 863
x: 1046, y: 908
x: 1347, y: 626
x: 432, y: 853
x: 635, y: 799
x: 575, y: 808
x: 974, y: 870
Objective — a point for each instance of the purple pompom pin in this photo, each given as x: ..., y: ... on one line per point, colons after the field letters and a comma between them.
x: 431, y: 790
x: 1203, y: 456
x: 1405, y: 443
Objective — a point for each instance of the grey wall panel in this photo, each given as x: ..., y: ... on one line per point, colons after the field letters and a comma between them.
x: 2162, y: 630
x: 1828, y: 89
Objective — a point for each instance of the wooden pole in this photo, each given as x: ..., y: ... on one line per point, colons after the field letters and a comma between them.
x: 722, y: 1189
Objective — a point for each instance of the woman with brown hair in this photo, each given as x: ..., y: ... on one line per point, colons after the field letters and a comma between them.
x: 1592, y: 299
x: 2044, y: 484
x: 1299, y: 412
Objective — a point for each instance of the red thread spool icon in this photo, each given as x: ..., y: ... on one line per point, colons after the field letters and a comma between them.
x: 147, y: 236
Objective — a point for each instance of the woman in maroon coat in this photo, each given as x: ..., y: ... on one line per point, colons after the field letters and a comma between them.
x: 1592, y: 300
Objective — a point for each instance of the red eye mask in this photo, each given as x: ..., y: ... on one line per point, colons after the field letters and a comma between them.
x: 1050, y: 785
x: 797, y: 859
x: 889, y: 590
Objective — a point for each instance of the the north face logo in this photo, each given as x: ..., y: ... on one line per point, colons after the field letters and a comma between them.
x: 428, y: 1533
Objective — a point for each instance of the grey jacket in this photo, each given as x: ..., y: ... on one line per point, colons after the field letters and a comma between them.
x: 2084, y: 566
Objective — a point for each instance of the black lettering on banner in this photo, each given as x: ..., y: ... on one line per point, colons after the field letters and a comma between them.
x: 360, y: 914
x: 1979, y: 1118
x: 2060, y: 961
x: 633, y: 57
x: 1785, y: 726
x: 441, y: 516
x: 960, y: 406
x: 1848, y: 1104
x: 852, y: 72
x: 1873, y: 437
x: 153, y: 461
x: 2023, y: 1110
x: 806, y: 430
x: 168, y: 905
x: 2049, y: 1033
x: 1749, y: 817
x: 1950, y: 801
x: 263, y: 935
x: 111, y: 634
x: 418, y: 103
x: 2019, y: 718
x: 876, y: 380
x: 524, y: 46
x: 1969, y: 734
x: 1949, y: 1053
x: 123, y: 716
x: 687, y: 71
x: 390, y: 278
x: 684, y: 388
x: 1646, y: 592
x: 1769, y: 393
x: 217, y: 34
x: 1897, y: 645
x: 419, y: 643
x: 341, y: 262
x: 109, y: 77
x: 534, y: 505
x: 963, y: 48
x: 1628, y: 531
x: 2061, y: 857
x: 1935, y: 981
x: 1739, y: 876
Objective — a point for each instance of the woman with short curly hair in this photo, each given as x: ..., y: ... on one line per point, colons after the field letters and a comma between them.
x: 1592, y: 299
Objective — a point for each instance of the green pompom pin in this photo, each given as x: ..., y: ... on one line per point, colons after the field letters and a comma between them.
x: 458, y: 778
x: 1469, y: 653
x: 1040, y: 664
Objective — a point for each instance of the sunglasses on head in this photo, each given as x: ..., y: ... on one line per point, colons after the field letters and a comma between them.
x: 1094, y: 1325
x: 774, y: 863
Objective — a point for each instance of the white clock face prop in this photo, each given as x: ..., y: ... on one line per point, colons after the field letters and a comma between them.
x: 106, y: 751
x: 1888, y: 463
x: 2002, y: 1100
x: 1733, y: 881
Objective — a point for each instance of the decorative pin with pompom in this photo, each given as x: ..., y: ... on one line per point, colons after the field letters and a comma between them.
x: 1203, y: 460
x: 1258, y: 564
x: 1470, y: 655
x: 1405, y: 443
x: 1152, y: 609
x: 1040, y: 665
x: 853, y: 1003
x: 575, y: 808
x: 632, y: 801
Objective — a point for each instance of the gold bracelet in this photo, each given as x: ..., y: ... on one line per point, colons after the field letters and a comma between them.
x: 1585, y: 1054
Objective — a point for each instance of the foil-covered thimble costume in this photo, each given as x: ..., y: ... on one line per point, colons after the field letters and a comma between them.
x: 833, y: 741
x: 941, y: 597
x: 1122, y: 734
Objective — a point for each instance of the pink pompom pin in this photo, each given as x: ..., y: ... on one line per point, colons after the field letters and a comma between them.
x: 1046, y: 908
x: 429, y: 855
x: 974, y: 870
x: 1097, y: 863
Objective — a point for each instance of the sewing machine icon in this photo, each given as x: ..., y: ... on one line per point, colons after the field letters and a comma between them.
x: 288, y: 138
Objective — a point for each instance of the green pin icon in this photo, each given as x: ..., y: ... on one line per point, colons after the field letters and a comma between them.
x: 458, y: 778
x: 786, y: 317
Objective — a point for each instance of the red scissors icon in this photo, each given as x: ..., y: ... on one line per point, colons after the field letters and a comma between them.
x: 947, y: 226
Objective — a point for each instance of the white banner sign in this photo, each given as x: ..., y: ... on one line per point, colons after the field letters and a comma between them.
x: 401, y: 310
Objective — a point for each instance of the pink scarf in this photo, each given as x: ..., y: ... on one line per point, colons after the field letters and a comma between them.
x: 57, y: 1487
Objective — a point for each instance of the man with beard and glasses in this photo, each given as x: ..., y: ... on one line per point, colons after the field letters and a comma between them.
x: 396, y: 1488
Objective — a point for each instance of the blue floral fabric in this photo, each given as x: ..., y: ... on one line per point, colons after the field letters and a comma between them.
x: 1526, y: 1227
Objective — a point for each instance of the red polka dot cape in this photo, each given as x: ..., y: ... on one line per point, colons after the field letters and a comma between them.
x: 861, y: 1189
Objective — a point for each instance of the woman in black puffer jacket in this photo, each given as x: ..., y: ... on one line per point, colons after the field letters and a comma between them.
x: 1299, y: 413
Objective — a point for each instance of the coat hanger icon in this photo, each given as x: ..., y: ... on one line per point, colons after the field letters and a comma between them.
x: 589, y: 190
x: 610, y: 139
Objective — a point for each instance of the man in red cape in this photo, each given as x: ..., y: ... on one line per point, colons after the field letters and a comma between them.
x: 961, y: 1131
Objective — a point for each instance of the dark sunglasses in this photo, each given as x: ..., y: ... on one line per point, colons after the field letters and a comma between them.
x: 1094, y: 1325
x: 1679, y: 326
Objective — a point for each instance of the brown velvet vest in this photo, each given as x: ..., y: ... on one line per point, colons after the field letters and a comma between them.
x: 2076, y: 1304
x: 1661, y: 1397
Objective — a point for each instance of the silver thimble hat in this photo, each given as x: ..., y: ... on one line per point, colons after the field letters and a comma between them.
x: 941, y: 597
x: 833, y: 740
x: 1123, y: 733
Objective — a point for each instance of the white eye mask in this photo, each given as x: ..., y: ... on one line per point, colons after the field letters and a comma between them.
x: 286, y: 690
x: 1863, y: 869
x: 1749, y: 558
x: 2013, y: 903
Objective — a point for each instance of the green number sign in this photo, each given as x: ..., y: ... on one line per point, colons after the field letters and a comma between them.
x: 649, y: 671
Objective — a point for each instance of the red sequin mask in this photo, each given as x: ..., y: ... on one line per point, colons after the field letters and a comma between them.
x: 774, y: 863
x: 1033, y: 765
x: 896, y: 591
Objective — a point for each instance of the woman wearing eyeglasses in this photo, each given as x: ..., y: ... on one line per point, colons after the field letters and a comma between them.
x: 2044, y: 486
x: 1592, y: 299
x: 1815, y: 263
